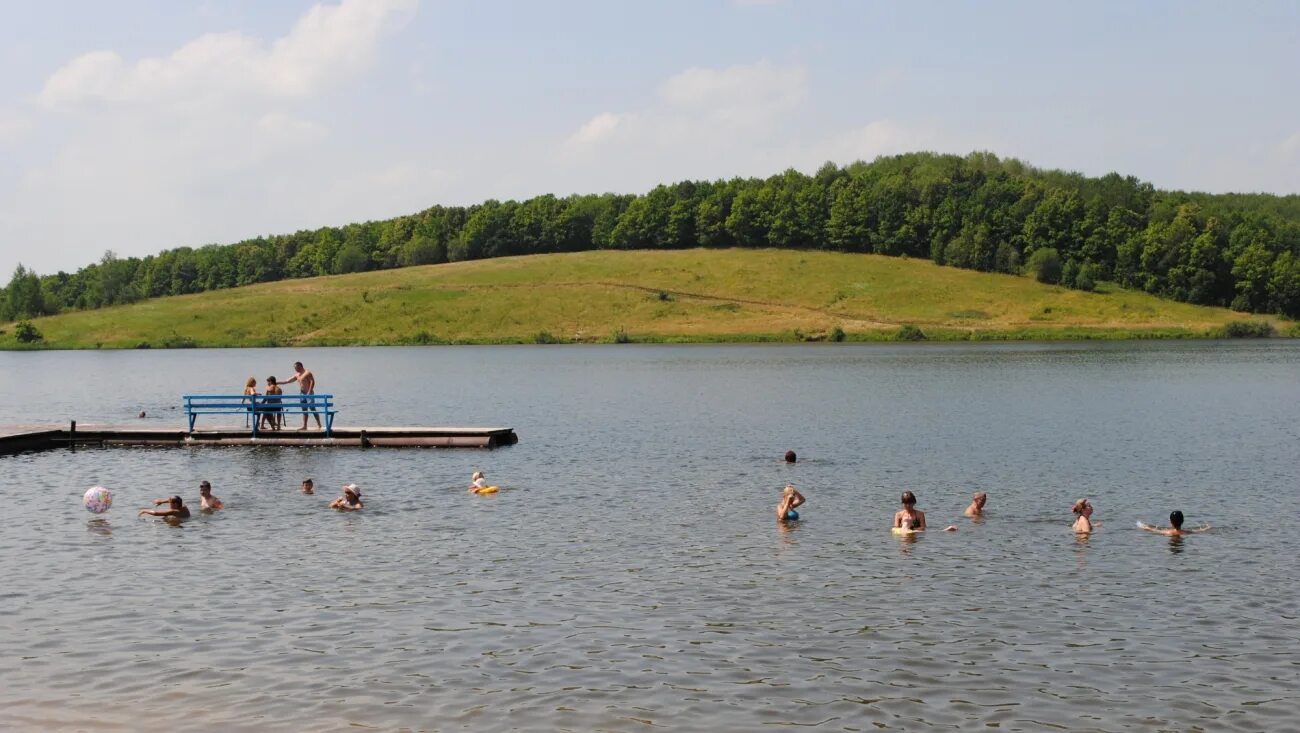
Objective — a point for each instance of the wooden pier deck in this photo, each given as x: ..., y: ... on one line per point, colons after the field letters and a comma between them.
x: 20, y: 438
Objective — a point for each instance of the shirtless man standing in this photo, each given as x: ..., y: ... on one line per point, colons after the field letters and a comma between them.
x: 306, y: 385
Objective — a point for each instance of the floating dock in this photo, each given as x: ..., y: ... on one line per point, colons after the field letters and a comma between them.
x: 21, y: 438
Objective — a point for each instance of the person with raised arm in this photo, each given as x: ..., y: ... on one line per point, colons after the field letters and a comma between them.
x: 307, y: 386
x: 790, y: 500
x: 176, y: 509
x: 1082, y: 516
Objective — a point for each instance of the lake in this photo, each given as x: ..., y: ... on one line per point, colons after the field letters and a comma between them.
x: 631, y: 575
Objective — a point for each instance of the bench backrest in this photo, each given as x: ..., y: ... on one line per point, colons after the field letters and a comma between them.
x: 258, y: 405
x: 212, y: 404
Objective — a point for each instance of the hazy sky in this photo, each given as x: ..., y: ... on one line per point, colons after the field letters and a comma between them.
x: 139, y: 125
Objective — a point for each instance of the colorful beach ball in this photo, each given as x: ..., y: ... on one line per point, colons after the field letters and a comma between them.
x: 97, y: 499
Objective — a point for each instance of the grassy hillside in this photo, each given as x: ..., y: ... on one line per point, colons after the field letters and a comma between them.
x: 691, y: 295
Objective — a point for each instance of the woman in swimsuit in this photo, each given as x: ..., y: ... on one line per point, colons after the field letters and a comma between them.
x: 1083, y: 516
x: 1175, y: 528
x: 790, y: 499
x: 350, y: 501
x: 910, y: 517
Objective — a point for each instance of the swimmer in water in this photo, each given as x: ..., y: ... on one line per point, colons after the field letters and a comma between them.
x: 208, y: 502
x: 976, y: 508
x: 790, y: 499
x: 176, y: 509
x: 350, y: 501
x: 790, y: 456
x: 1176, y: 526
x: 477, y: 482
x: 308, y: 487
x: 909, y: 517
x: 1083, y: 516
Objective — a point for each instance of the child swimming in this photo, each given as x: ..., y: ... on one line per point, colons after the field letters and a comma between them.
x: 478, y: 484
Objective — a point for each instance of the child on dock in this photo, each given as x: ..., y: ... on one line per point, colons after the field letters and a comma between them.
x: 250, y: 391
x: 271, y: 413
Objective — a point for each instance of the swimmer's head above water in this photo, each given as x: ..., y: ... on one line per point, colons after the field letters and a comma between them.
x: 908, y: 498
x: 1176, y: 519
x: 790, y: 457
x: 1082, y: 507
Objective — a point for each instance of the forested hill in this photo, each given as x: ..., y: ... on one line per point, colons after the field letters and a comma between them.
x: 978, y: 212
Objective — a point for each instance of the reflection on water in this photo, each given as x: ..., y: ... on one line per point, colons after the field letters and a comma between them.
x: 100, y: 527
x: 630, y: 577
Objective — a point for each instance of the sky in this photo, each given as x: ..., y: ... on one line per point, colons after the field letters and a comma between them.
x: 142, y: 125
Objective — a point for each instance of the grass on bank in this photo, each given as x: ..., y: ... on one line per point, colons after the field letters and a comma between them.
x: 644, y: 296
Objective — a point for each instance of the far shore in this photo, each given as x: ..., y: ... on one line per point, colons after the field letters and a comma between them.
x: 618, y: 297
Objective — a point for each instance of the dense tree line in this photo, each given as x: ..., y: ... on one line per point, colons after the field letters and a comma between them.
x: 978, y: 212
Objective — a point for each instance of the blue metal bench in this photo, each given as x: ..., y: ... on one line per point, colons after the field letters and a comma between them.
x: 255, y: 406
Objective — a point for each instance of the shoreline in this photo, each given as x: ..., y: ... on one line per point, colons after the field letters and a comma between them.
x: 935, y: 336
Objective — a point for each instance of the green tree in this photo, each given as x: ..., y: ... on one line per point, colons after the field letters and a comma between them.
x: 1045, y: 265
x: 422, y: 250
x: 1252, y: 269
x: 351, y: 258
x: 1284, y: 285
x: 23, y: 296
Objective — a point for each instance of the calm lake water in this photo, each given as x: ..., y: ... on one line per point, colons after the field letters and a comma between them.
x: 631, y: 575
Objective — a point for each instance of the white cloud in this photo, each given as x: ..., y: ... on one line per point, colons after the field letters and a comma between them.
x: 13, y: 125
x: 697, y: 114
x: 741, y: 120
x: 596, y: 129
x: 328, y: 42
x: 744, y: 86
x: 218, y: 140
x: 1291, y: 145
x: 889, y: 137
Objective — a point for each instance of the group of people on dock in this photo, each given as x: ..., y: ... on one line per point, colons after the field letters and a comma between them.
x: 271, y: 416
x: 909, y: 519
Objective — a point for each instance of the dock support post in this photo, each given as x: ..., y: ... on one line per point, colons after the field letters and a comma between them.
x: 72, y: 435
x: 365, y: 442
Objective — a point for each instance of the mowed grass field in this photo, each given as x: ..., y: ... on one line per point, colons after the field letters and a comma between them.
x: 653, y: 296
